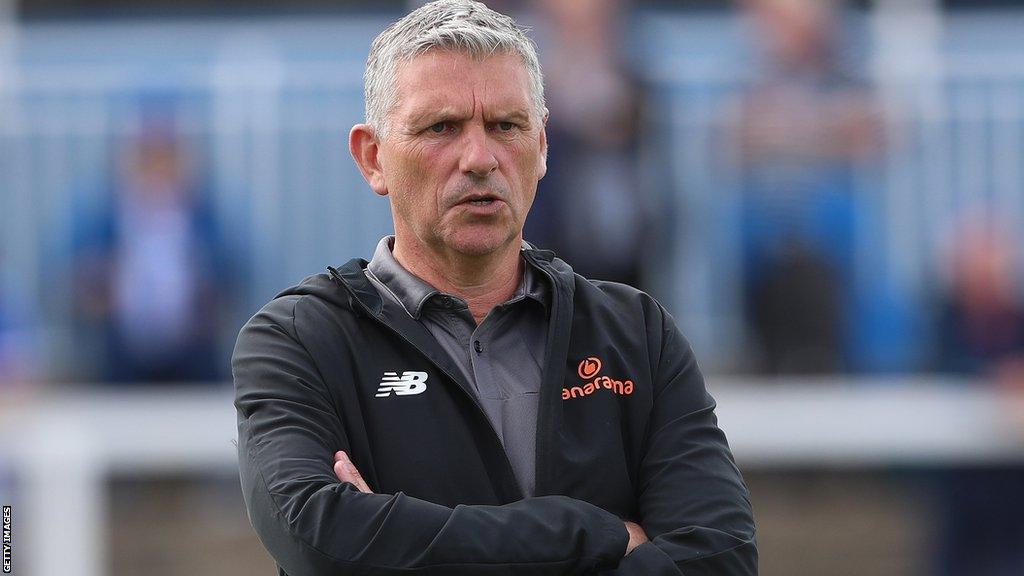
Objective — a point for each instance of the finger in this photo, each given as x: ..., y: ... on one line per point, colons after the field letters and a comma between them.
x: 339, y: 470
x: 342, y: 468
x: 354, y: 472
x: 349, y: 473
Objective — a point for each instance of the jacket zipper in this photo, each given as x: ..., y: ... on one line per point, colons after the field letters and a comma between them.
x: 541, y: 455
x: 476, y: 402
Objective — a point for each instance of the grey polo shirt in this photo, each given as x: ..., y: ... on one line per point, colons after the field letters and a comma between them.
x: 501, y: 357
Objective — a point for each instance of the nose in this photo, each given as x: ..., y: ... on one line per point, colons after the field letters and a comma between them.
x: 477, y: 158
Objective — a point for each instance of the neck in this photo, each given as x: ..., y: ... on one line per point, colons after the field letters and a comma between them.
x: 483, y: 281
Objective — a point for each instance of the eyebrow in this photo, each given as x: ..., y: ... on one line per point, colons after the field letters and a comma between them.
x: 432, y: 116
x: 516, y: 115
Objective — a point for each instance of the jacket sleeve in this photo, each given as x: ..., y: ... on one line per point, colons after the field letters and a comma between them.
x: 692, y: 502
x: 312, y: 524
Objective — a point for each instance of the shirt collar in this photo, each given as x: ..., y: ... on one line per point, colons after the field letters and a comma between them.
x: 412, y: 292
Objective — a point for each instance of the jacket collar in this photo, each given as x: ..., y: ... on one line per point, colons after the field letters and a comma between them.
x: 413, y: 293
x: 352, y: 276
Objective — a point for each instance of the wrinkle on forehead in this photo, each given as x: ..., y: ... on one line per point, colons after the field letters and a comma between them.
x: 425, y: 94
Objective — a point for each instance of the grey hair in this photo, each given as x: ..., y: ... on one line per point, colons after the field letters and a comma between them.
x: 462, y: 25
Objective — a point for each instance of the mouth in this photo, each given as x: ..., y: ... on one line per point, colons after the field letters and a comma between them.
x: 481, y: 200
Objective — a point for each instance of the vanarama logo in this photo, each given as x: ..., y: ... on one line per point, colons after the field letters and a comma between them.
x: 589, y: 367
x: 588, y: 370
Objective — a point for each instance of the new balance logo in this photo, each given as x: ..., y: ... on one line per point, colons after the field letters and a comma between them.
x: 407, y: 384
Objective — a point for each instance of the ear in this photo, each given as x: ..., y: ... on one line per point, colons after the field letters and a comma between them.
x: 542, y: 167
x: 365, y: 148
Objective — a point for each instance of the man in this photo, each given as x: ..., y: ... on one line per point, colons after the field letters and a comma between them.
x: 463, y: 403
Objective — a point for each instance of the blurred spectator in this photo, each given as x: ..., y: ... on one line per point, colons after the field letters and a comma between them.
x: 589, y: 207
x: 803, y: 128
x: 19, y: 361
x: 152, y: 279
x: 981, y: 335
x: 981, y: 318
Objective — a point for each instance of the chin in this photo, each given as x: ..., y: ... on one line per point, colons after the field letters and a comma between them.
x: 479, y: 243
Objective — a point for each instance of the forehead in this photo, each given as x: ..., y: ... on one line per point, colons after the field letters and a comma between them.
x: 440, y: 79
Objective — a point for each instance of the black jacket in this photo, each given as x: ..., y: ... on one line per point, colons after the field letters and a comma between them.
x: 626, y: 429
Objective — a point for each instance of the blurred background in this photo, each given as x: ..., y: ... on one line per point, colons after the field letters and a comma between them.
x: 828, y: 196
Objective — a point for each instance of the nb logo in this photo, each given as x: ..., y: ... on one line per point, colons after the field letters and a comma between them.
x: 405, y: 385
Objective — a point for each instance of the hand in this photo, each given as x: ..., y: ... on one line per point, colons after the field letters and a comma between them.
x: 637, y: 536
x: 346, y: 471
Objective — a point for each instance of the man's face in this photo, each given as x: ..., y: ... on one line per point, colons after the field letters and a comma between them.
x: 463, y: 152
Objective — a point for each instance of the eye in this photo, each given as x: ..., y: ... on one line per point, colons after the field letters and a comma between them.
x: 438, y: 128
x: 506, y: 126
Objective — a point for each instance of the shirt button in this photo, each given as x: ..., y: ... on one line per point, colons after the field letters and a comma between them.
x: 478, y: 347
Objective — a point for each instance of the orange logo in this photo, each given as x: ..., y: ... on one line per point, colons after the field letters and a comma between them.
x: 588, y: 370
x: 589, y: 367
